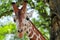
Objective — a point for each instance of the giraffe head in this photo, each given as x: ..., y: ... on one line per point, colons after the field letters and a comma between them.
x: 20, y: 16
x: 21, y: 20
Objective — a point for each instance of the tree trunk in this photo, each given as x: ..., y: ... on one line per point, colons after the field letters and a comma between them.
x: 55, y: 19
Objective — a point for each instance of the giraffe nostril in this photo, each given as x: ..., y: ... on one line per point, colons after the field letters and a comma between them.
x: 26, y: 31
x: 20, y: 31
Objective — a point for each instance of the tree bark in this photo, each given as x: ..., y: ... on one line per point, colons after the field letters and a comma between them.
x: 55, y: 19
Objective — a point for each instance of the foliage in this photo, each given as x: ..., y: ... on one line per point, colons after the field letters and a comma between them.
x: 9, y: 28
x: 5, y: 8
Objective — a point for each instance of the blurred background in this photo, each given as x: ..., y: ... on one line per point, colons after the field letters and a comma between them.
x: 40, y: 16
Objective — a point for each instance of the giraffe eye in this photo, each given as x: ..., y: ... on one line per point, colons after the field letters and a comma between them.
x: 14, y: 20
x: 27, y: 18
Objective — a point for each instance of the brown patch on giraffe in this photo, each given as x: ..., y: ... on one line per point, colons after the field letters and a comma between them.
x: 30, y: 33
x: 34, y: 37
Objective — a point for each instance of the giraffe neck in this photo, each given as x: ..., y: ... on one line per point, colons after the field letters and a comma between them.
x: 33, y: 32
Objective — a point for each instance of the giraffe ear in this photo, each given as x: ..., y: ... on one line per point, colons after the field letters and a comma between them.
x: 29, y: 14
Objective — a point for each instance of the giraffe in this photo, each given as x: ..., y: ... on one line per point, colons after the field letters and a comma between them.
x: 24, y: 25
